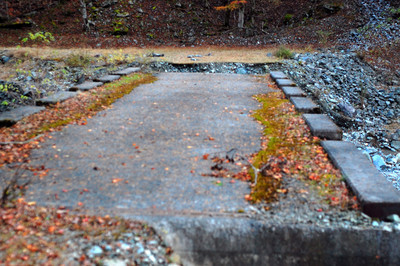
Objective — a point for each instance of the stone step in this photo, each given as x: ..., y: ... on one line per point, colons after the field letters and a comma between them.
x: 377, y: 196
x: 285, y: 83
x: 293, y: 92
x: 9, y: 118
x: 304, y: 105
x: 323, y: 127
x: 127, y: 71
x: 87, y: 85
x: 56, y: 98
x: 277, y: 75
x: 107, y: 78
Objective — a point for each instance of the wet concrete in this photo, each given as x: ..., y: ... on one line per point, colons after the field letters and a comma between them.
x: 145, y: 154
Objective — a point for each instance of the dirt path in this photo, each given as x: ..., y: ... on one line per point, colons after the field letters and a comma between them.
x: 145, y: 155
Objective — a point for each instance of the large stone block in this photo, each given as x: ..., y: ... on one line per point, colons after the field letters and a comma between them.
x: 293, y: 92
x: 277, y: 75
x: 377, y: 196
x: 285, y: 83
x: 323, y: 127
x: 56, y: 98
x: 107, y: 78
x: 127, y: 71
x: 304, y: 105
x: 9, y: 118
x: 88, y: 85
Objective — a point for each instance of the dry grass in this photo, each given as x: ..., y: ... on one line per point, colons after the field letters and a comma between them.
x: 172, y: 54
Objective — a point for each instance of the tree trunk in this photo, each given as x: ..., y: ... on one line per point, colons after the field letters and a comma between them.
x: 227, y: 15
x: 86, y: 26
x: 241, y: 18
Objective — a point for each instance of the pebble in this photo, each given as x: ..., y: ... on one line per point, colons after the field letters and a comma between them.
x: 393, y: 218
x: 95, y: 251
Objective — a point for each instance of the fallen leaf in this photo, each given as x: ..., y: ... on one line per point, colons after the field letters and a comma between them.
x: 116, y: 180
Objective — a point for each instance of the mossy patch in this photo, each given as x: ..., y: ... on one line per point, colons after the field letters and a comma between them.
x: 75, y: 110
x: 290, y: 151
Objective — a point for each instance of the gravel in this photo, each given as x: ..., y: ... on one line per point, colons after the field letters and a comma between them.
x: 357, y: 99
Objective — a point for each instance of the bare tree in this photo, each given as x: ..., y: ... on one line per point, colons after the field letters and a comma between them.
x: 86, y: 24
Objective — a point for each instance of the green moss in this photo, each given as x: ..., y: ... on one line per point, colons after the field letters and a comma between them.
x: 101, y: 99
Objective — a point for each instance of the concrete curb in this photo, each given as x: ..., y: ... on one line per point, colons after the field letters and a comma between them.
x: 245, y: 241
x: 377, y: 196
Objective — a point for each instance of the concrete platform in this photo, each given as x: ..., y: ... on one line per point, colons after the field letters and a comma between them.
x: 127, y: 71
x: 285, y: 83
x: 11, y: 117
x: 87, y: 85
x: 56, y: 98
x: 323, y: 127
x: 107, y: 78
x: 277, y: 75
x: 377, y: 196
x: 293, y: 92
x: 304, y: 105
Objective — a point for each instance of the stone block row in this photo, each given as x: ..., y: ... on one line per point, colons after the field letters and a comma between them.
x: 11, y: 117
x: 377, y: 196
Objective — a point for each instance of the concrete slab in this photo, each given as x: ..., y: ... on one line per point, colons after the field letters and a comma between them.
x: 56, y: 98
x: 277, y: 75
x: 377, y: 196
x: 87, y: 85
x: 293, y: 92
x: 107, y: 78
x: 127, y: 71
x: 11, y: 117
x: 285, y: 83
x: 170, y: 123
x: 323, y: 127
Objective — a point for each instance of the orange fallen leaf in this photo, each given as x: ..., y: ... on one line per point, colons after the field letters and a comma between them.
x: 32, y: 248
x: 205, y: 156
x: 116, y: 180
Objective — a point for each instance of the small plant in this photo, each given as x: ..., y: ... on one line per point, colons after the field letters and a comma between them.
x: 5, y: 103
x: 79, y: 60
x: 284, y: 53
x: 39, y: 37
x: 323, y: 36
x: 287, y: 19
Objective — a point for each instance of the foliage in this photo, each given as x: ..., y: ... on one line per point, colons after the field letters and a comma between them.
x: 32, y: 235
x: 323, y: 36
x: 287, y: 18
x: 231, y: 6
x: 39, y: 37
x: 284, y: 53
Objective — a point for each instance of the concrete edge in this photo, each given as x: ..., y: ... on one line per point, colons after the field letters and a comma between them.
x: 245, y: 241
